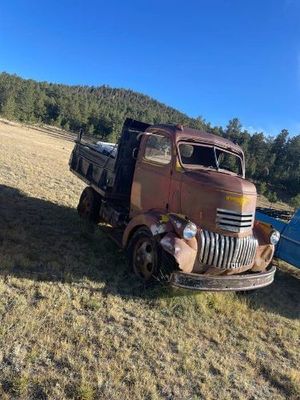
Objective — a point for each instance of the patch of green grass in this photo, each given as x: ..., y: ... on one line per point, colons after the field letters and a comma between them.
x: 85, y: 391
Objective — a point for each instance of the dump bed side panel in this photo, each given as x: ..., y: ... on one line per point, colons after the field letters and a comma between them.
x: 92, y: 167
x: 110, y: 176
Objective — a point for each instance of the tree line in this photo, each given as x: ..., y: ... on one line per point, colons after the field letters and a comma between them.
x: 273, y: 162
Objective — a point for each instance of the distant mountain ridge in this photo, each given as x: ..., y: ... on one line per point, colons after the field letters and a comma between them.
x: 98, y: 110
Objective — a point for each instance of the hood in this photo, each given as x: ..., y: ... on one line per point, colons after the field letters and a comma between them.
x: 219, y: 202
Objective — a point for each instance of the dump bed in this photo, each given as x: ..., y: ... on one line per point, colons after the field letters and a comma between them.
x: 93, y: 166
x: 109, y: 167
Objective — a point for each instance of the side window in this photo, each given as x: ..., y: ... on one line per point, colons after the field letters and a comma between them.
x: 158, y: 149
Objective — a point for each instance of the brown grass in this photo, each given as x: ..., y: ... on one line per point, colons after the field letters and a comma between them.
x: 75, y: 324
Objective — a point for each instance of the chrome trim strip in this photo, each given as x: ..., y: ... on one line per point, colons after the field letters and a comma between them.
x: 222, y: 210
x: 227, y: 249
x: 216, y: 256
x: 232, y: 247
x: 244, y: 251
x: 212, y: 248
x: 234, y: 228
x: 234, y: 223
x: 239, y: 249
x: 202, y: 240
x: 248, y: 248
x: 220, y: 265
x: 206, y: 249
x: 234, y: 217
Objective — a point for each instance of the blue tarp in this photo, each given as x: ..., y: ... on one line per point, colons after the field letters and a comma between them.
x: 288, y: 248
x: 277, y: 224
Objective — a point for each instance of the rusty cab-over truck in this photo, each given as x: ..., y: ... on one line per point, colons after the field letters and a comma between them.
x: 178, y: 201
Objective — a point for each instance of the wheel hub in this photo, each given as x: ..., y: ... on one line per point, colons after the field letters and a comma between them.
x: 144, y: 260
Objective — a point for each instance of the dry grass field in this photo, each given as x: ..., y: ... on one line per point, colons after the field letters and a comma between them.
x: 75, y: 324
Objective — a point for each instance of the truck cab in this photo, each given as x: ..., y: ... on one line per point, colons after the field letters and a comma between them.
x: 173, y: 191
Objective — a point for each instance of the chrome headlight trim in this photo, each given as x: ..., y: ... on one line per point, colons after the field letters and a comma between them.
x: 274, y: 237
x: 189, y: 231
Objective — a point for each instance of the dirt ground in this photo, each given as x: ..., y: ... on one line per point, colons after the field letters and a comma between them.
x: 75, y: 323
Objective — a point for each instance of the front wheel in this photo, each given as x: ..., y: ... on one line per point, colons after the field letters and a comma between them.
x: 144, y: 254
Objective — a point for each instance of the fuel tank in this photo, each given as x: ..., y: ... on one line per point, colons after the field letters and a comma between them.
x: 219, y: 202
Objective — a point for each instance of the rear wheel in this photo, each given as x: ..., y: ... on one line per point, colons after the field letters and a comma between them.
x: 89, y: 205
x: 144, y: 253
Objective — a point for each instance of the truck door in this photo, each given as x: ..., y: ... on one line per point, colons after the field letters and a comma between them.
x: 152, y: 177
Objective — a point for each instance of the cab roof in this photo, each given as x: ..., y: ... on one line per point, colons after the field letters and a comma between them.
x: 182, y: 133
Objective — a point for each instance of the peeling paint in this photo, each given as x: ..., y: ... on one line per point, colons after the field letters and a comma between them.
x: 177, y: 249
x: 164, y: 218
x: 178, y: 224
x: 167, y: 243
x: 157, y: 229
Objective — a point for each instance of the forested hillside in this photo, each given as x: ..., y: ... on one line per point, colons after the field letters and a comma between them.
x: 98, y: 110
x: 274, y: 162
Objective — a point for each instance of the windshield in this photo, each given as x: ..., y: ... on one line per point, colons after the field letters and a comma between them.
x: 195, y: 156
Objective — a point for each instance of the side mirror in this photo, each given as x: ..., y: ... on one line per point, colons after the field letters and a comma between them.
x: 134, y: 153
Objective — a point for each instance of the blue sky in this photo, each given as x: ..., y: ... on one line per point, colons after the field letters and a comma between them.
x: 218, y: 59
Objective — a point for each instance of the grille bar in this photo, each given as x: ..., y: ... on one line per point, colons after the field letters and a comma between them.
x: 234, y: 221
x: 229, y: 212
x: 239, y: 218
x: 226, y: 252
x: 244, y: 222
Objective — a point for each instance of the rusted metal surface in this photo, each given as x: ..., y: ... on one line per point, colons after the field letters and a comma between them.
x: 205, y: 192
x: 184, y: 251
x: 186, y: 133
x: 151, y: 220
x: 167, y: 228
x: 151, y: 183
x: 151, y: 187
x: 196, y: 194
x: 240, y: 282
x: 265, y: 250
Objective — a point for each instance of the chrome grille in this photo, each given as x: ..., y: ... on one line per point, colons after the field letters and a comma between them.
x: 226, y: 252
x: 234, y: 221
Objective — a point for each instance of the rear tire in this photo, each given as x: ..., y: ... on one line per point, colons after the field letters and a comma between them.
x: 89, y: 205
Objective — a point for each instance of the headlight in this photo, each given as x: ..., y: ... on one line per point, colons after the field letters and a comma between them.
x: 189, y: 231
x: 274, y: 237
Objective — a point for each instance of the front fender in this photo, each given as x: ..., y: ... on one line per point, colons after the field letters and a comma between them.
x: 184, y: 251
x: 153, y: 220
x: 265, y: 250
x: 168, y: 228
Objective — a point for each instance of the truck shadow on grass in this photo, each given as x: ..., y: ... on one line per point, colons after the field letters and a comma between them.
x: 44, y: 241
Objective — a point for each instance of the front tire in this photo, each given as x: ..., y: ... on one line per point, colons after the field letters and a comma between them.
x: 144, y: 254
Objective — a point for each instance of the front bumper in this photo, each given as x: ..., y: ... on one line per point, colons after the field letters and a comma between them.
x: 246, y: 281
